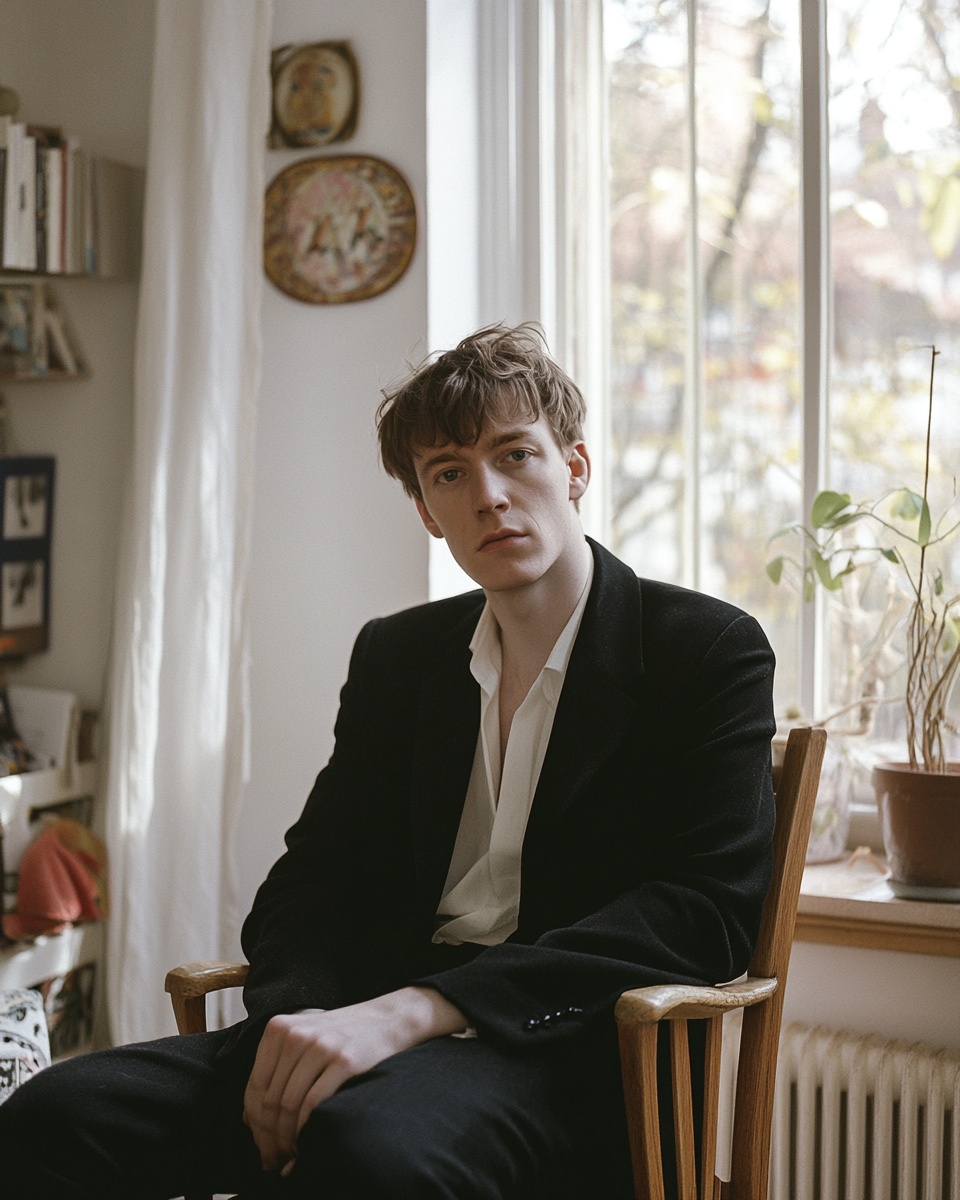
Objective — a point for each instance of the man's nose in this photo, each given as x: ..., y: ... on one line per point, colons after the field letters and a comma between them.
x: 490, y: 494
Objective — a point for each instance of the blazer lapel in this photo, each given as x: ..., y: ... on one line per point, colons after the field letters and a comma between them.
x: 448, y: 724
x: 595, y: 707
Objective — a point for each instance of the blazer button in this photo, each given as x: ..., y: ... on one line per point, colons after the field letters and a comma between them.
x: 575, y: 1012
x: 532, y: 1023
x: 546, y: 1019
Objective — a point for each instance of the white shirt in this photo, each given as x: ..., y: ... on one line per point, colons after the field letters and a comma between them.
x: 481, y: 896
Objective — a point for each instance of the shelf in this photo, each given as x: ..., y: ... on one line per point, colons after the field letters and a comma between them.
x: 36, y: 789
x: 44, y: 377
x: 13, y: 272
x: 25, y: 964
x: 843, y: 904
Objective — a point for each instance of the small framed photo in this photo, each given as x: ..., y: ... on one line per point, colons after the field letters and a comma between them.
x: 26, y: 529
x: 316, y: 94
x: 22, y: 330
x: 25, y: 506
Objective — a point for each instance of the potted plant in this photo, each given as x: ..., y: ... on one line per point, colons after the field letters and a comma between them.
x: 919, y: 800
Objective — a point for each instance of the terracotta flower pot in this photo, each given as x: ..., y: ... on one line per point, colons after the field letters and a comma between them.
x: 920, y: 815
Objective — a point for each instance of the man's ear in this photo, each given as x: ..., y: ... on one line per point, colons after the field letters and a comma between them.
x: 578, y: 464
x: 431, y: 525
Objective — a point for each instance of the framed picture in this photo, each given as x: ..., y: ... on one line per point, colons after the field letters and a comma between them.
x: 338, y: 229
x: 23, y: 338
x: 26, y: 529
x: 316, y: 94
x: 36, y: 338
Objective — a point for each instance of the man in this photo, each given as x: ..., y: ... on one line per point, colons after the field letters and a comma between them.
x: 542, y: 794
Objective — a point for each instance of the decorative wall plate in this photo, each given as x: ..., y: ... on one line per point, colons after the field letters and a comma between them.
x: 316, y: 94
x: 338, y: 229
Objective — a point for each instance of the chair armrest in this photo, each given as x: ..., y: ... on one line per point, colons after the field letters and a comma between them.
x: 189, y: 984
x: 677, y: 1001
x: 198, y: 978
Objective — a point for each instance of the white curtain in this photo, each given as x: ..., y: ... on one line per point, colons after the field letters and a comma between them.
x: 178, y: 705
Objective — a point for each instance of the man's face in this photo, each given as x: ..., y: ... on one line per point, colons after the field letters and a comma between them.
x: 505, y: 505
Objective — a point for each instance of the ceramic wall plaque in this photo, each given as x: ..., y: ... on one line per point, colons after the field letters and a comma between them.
x: 338, y: 229
x: 316, y: 94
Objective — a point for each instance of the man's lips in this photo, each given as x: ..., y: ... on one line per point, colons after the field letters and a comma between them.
x: 492, y: 540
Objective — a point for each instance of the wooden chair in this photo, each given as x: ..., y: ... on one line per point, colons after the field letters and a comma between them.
x: 639, y: 1013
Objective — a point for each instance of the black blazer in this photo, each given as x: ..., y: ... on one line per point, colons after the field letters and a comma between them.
x: 647, y: 853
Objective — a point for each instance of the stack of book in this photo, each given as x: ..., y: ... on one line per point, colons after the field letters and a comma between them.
x: 63, y: 212
x: 36, y: 339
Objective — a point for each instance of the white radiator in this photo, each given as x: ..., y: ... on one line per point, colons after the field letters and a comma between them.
x: 864, y: 1118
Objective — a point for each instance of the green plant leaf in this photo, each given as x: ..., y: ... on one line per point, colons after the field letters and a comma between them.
x: 908, y: 505
x: 808, y: 586
x: 826, y: 506
x: 822, y: 568
x: 845, y: 519
x: 923, y: 530
x: 937, y: 584
x: 775, y: 569
x: 891, y: 555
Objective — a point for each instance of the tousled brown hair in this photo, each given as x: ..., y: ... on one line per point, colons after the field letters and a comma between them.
x: 498, y: 373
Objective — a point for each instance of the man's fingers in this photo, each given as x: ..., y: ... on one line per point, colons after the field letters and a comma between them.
x: 277, y: 1056
x: 332, y: 1079
x: 320, y: 1064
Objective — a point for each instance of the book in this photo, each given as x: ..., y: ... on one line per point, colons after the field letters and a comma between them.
x: 40, y: 209
x: 54, y: 186
x: 49, y: 143
x: 59, y: 350
x: 73, y: 262
x: 10, y: 133
x: 27, y: 204
x: 3, y: 191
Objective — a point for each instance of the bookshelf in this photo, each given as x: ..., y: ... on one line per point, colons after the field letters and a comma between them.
x: 64, y: 966
x: 63, y: 215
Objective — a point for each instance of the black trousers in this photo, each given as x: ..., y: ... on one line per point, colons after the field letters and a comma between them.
x: 451, y: 1119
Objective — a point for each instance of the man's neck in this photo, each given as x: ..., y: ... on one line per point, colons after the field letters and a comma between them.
x: 533, y: 617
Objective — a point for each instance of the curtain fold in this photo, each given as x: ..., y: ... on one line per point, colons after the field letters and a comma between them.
x: 178, y: 706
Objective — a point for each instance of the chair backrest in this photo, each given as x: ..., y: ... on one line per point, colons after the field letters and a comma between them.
x: 796, y: 794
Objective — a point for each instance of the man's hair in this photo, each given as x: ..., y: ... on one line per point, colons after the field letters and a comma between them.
x: 494, y: 375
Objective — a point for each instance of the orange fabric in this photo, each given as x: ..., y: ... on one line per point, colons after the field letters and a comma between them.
x: 92, y: 853
x: 55, y: 887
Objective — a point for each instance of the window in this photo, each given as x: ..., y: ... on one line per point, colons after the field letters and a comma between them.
x: 722, y: 426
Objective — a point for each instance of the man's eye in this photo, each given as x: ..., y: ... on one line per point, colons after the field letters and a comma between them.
x: 519, y: 455
x: 448, y: 476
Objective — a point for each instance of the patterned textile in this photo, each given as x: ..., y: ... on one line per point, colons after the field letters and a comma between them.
x: 24, y: 1042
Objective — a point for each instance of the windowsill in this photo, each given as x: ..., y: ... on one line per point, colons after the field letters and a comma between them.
x: 850, y: 904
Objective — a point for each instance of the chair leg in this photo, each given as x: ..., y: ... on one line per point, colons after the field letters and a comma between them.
x: 709, y: 1184
x: 686, y: 1152
x: 638, y: 1057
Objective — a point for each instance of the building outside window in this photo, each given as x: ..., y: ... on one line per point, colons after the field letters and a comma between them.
x: 709, y: 410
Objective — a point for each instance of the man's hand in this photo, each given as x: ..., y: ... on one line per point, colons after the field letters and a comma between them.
x: 304, y: 1058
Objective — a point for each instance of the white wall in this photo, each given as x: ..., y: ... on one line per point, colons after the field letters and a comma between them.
x: 912, y: 996
x: 83, y: 65
x: 335, y: 541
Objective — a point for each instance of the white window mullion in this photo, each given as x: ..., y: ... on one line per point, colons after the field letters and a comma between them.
x: 815, y: 317
x: 575, y: 261
x: 693, y: 372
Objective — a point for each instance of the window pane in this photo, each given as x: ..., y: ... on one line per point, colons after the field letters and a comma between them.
x: 895, y: 200
x: 649, y: 189
x: 747, y: 365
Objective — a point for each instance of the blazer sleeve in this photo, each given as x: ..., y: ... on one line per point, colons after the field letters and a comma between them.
x: 695, y: 915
